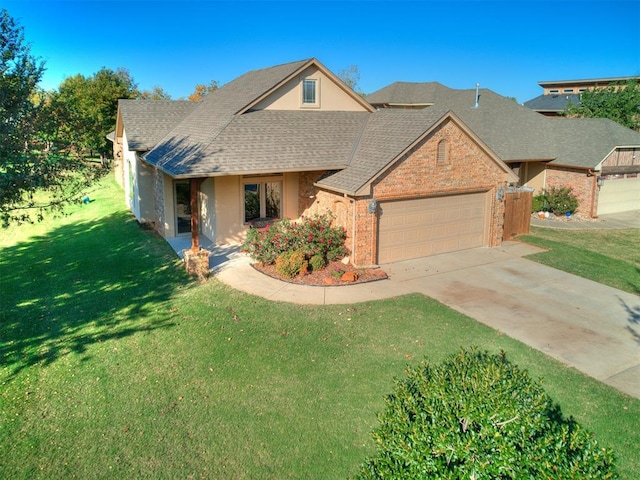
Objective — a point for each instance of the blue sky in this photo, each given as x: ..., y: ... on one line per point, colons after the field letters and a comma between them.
x: 506, y: 45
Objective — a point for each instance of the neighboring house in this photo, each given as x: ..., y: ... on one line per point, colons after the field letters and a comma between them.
x: 598, y: 158
x: 294, y: 140
x: 558, y: 94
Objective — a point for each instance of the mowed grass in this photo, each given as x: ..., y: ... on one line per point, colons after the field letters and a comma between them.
x: 610, y: 257
x: 115, y: 364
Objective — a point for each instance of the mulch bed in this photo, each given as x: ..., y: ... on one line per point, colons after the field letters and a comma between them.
x: 324, y: 277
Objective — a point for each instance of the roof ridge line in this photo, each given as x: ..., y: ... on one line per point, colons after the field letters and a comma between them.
x: 356, y: 144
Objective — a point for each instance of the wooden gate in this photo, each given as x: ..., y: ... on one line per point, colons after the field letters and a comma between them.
x: 517, y: 212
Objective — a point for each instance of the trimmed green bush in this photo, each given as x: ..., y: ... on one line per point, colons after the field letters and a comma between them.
x: 558, y: 200
x: 291, y: 263
x: 539, y: 204
x: 478, y: 416
x: 317, y: 262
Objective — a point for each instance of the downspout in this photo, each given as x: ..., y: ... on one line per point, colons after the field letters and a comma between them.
x: 594, y: 186
x: 353, y: 229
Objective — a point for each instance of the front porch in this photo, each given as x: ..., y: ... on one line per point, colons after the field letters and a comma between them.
x: 220, y: 254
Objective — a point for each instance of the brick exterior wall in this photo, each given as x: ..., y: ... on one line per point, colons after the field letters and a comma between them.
x: 313, y: 200
x: 582, y: 186
x: 467, y: 169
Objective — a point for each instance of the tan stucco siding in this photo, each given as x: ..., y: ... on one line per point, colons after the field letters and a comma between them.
x: 144, y: 192
x: 534, y: 175
x: 290, y: 196
x: 128, y: 175
x: 229, y: 204
x: 169, y: 207
x: 228, y: 208
x: 207, y: 209
x: 330, y: 95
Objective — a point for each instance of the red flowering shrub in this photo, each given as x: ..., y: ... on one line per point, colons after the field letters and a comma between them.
x: 311, y: 235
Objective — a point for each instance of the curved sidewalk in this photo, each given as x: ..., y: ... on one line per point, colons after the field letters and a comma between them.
x: 583, y: 324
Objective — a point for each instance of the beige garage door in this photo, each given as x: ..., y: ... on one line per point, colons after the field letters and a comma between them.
x: 429, y: 226
x: 619, y: 195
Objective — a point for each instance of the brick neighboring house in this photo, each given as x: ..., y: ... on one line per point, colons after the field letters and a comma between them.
x: 293, y: 140
x: 598, y: 158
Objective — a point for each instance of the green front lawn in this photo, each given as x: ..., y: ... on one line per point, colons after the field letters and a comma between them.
x: 116, y: 365
x: 610, y: 257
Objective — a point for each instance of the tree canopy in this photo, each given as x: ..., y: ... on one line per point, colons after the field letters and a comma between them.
x: 34, y: 178
x: 619, y: 102
x: 202, y: 89
x: 351, y: 76
x: 156, y: 93
x: 87, y: 109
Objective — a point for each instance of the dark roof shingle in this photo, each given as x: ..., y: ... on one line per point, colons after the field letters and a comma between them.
x: 148, y: 121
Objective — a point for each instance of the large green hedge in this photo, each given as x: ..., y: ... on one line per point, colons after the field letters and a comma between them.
x: 478, y: 416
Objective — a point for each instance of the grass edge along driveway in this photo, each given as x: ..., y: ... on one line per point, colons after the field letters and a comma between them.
x: 117, y: 365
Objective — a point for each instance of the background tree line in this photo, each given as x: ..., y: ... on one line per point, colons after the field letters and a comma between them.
x: 51, y: 140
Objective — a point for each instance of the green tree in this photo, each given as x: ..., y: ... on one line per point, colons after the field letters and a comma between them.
x: 619, y: 102
x: 32, y: 177
x: 86, y: 107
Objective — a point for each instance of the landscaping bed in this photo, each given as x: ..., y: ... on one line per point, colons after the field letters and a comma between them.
x: 328, y: 276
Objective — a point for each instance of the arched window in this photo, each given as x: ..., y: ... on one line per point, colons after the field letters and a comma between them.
x: 442, y: 152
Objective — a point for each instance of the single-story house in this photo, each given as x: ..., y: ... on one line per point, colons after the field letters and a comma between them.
x: 598, y: 158
x: 293, y: 140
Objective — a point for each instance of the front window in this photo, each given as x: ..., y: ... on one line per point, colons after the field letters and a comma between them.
x: 309, y: 92
x: 262, y: 201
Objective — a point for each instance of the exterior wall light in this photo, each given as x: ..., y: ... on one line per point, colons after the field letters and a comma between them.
x: 500, y: 194
x: 599, y: 181
x: 373, y: 206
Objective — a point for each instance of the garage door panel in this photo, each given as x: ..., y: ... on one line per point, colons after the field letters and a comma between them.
x: 429, y: 226
x: 619, y: 195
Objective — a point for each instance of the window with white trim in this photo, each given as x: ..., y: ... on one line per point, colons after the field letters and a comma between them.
x: 310, y: 92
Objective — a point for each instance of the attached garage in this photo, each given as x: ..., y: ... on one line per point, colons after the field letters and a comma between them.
x: 619, y: 194
x: 429, y: 226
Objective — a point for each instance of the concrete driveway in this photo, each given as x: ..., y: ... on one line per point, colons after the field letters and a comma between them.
x: 586, y: 325
x: 581, y: 323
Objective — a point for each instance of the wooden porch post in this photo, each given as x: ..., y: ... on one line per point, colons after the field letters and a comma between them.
x: 195, y: 189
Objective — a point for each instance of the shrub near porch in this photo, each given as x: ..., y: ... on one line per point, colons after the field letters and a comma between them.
x: 314, y: 237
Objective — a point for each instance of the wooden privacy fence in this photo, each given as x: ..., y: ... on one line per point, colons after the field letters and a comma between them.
x: 517, y: 211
